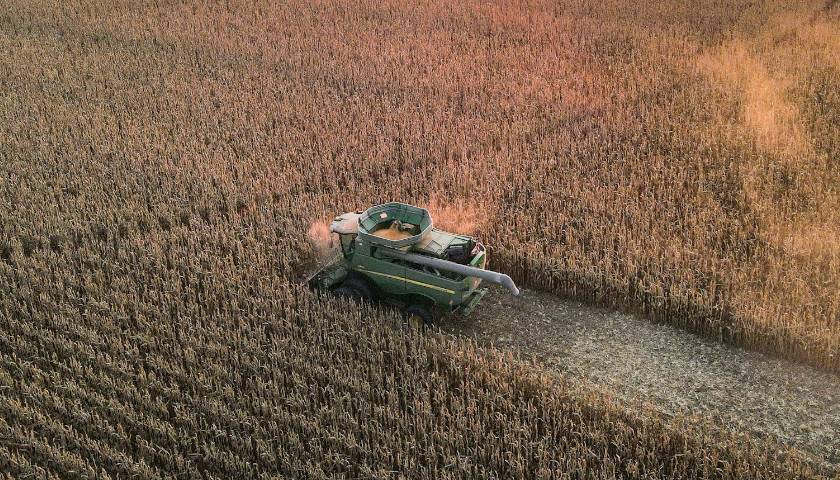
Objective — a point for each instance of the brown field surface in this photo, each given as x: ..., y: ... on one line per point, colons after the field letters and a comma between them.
x: 164, y: 166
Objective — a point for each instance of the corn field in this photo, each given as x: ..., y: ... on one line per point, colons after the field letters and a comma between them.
x: 162, y: 162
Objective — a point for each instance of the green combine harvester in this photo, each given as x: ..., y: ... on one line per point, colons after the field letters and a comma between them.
x: 393, y: 253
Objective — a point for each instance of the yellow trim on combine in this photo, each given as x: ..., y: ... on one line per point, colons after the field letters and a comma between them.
x: 415, y: 282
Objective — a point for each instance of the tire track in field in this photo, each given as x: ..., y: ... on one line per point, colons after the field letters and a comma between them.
x: 670, y: 368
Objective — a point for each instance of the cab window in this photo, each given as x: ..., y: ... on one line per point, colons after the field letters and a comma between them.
x: 348, y: 242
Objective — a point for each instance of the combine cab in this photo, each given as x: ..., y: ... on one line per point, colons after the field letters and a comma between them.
x: 393, y: 253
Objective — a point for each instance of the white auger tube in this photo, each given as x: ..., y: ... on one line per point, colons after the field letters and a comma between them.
x: 488, y: 275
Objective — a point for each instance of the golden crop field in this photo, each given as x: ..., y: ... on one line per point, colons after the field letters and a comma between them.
x: 163, y: 163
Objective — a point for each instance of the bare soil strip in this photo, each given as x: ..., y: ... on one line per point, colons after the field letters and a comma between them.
x: 667, y: 367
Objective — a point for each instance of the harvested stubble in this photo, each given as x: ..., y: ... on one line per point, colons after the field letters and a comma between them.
x: 620, y: 168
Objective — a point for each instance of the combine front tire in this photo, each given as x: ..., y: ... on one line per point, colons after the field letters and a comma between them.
x: 348, y: 291
x: 355, y: 289
x: 418, y: 317
x: 362, y: 287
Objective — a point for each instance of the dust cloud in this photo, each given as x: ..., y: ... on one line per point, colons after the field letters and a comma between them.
x: 459, y: 215
x: 320, y: 238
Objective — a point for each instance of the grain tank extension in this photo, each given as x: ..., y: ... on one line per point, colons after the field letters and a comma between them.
x: 392, y: 252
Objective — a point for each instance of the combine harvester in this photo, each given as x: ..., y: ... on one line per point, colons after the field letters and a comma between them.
x: 392, y: 252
